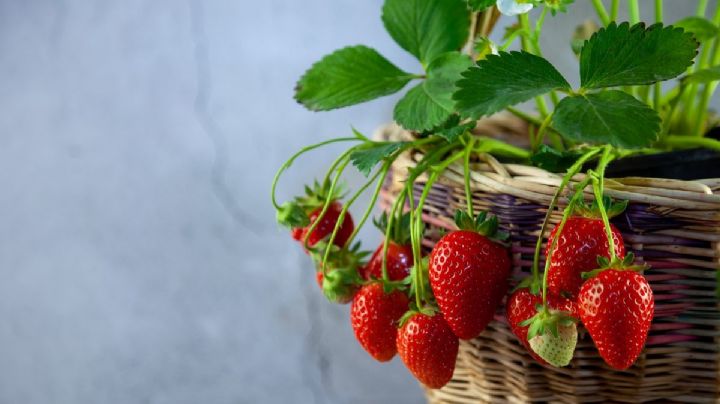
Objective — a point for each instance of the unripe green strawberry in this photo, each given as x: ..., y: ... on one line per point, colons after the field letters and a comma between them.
x: 556, y: 350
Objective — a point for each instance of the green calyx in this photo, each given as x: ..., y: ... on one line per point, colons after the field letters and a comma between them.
x: 618, y: 264
x: 547, y: 321
x: 428, y: 310
x: 485, y: 224
x: 592, y: 210
x: 399, y: 230
x: 296, y: 213
x: 340, y: 271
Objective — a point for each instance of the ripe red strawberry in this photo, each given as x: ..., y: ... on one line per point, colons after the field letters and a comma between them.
x: 399, y: 262
x: 374, y: 316
x: 468, y: 275
x: 326, y: 226
x: 522, y: 305
x: 428, y: 348
x: 617, y: 307
x: 583, y: 241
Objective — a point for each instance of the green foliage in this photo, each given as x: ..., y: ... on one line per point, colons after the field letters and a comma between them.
x: 502, y: 80
x: 427, y: 28
x: 701, y: 28
x: 349, y: 76
x: 620, y: 55
x: 612, y: 116
x: 480, y: 5
x: 554, y: 160
x: 429, y: 103
x: 365, y: 158
x: 453, y: 129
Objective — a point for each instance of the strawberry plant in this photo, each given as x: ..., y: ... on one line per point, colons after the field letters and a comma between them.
x: 644, y: 89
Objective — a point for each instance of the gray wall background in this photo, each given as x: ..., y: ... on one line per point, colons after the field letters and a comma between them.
x: 139, y: 256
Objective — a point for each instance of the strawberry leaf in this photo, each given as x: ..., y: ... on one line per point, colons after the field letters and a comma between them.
x: 480, y: 5
x: 620, y: 55
x: 506, y: 79
x: 427, y: 28
x: 451, y: 129
x: 612, y: 116
x: 430, y: 103
x: 365, y: 158
x: 349, y: 76
x: 554, y: 160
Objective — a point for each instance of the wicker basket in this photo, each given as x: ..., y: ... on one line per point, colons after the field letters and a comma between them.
x: 672, y: 225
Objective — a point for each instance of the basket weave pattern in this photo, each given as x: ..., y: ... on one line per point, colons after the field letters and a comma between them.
x: 674, y: 226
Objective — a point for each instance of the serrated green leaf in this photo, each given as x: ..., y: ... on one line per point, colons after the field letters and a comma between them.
x: 349, y: 76
x: 701, y: 28
x: 506, y: 79
x: 480, y: 5
x: 430, y: 103
x: 620, y: 55
x: 554, y: 160
x: 703, y: 76
x: 451, y: 134
x: 427, y: 28
x: 612, y: 116
x: 365, y: 159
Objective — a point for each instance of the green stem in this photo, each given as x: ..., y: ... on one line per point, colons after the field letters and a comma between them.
x: 541, y: 132
x: 468, y: 192
x: 658, y: 10
x: 415, y: 239
x: 574, y: 169
x: 688, y: 142
x: 373, y: 199
x: 292, y: 159
x: 525, y: 116
x: 400, y: 201
x: 614, y: 7
x: 419, y: 210
x: 327, y: 202
x: 527, y: 46
x: 344, y: 211
x: 578, y: 196
x: 657, y: 89
x: 701, y: 8
x: 500, y: 148
x: 601, y: 12
x: 702, y: 110
x: 634, y: 11
x: 598, y: 184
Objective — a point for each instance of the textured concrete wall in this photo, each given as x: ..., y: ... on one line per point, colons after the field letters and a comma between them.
x: 139, y: 258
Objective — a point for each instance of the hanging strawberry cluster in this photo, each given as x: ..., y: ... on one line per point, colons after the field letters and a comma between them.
x: 420, y: 306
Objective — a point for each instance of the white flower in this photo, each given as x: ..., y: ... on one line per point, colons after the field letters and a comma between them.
x: 513, y: 7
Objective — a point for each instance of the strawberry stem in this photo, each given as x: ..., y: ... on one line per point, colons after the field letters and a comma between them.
x: 598, y: 181
x: 468, y: 192
x: 574, y: 169
x: 343, y: 161
x: 400, y: 201
x: 383, y: 174
x: 292, y: 159
x: 346, y: 206
x: 577, y: 197
x: 418, y: 228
